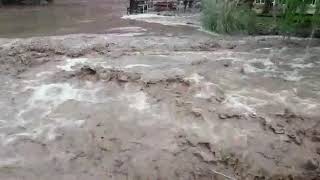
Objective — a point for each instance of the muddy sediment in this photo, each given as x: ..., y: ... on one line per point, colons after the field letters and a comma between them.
x: 158, y: 107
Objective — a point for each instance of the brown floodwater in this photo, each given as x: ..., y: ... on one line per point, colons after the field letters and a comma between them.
x: 62, y: 17
x: 70, y: 17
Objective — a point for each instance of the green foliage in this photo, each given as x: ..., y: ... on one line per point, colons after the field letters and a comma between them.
x: 316, y: 16
x: 227, y: 17
x: 294, y: 16
x: 297, y: 16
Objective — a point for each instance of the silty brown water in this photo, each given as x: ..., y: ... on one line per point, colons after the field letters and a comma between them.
x: 70, y: 17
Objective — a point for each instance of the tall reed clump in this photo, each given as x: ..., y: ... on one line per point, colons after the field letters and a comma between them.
x: 227, y: 16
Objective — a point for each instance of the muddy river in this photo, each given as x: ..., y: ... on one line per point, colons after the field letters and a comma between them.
x: 62, y: 17
x: 69, y: 17
x: 148, y: 97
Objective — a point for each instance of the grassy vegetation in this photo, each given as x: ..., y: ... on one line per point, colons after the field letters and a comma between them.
x: 265, y: 25
x: 228, y: 17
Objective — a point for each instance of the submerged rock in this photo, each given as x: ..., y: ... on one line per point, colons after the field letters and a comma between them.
x: 311, y: 164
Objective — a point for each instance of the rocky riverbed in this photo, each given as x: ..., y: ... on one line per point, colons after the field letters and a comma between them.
x: 133, y: 105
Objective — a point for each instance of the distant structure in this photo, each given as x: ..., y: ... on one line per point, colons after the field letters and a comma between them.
x: 144, y: 6
x: 25, y: 2
x: 139, y: 6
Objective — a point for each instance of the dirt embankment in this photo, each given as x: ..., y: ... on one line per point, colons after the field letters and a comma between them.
x: 157, y: 107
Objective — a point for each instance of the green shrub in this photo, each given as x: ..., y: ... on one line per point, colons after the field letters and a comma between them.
x: 293, y: 16
x: 316, y: 17
x: 296, y: 18
x: 226, y: 16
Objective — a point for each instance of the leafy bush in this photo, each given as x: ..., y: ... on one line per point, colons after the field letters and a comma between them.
x: 226, y: 16
x: 296, y: 17
x: 316, y: 16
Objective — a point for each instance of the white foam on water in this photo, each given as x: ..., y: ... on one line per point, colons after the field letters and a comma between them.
x: 271, y: 70
x: 2, y: 122
x: 50, y: 131
x: 8, y: 44
x: 104, y: 65
x: 9, y: 162
x: 45, y: 99
x: 239, y: 103
x: 137, y: 101
x: 140, y: 102
x: 292, y: 76
x: 160, y: 19
x: 280, y: 37
x: 259, y: 49
x: 45, y: 130
x: 141, y: 16
x: 208, y: 32
x: 301, y: 66
x: 195, y: 77
x: 49, y: 96
x: 205, y: 91
x: 208, y: 90
x: 251, y: 69
x: 264, y: 61
x: 72, y: 62
x: 136, y: 65
x: 289, y: 98
x: 298, y: 60
x: 250, y: 100
x: 128, y: 29
x: 126, y: 34
x: 42, y: 74
x: 13, y: 137
x: 53, y: 94
x: 230, y: 135
x: 223, y: 133
x: 87, y: 21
